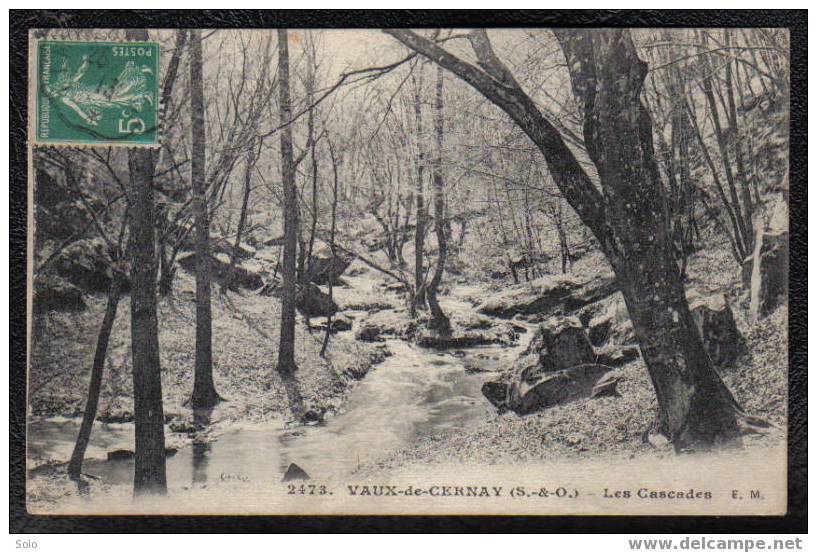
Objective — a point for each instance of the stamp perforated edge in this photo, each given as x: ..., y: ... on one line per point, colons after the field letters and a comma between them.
x: 33, y: 93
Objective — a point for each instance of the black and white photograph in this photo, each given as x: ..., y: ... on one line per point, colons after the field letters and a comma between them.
x: 393, y: 271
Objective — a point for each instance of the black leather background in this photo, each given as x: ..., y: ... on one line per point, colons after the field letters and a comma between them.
x: 21, y: 21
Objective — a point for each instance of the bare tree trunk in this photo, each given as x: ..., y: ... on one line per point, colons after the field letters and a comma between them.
x: 286, y: 348
x: 696, y: 409
x: 242, y: 218
x: 440, y: 321
x: 332, y: 230
x: 166, y: 269
x: 95, y: 384
x: 149, y: 459
x: 418, y: 301
x: 204, y: 390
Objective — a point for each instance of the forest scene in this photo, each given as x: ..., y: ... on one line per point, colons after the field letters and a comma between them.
x: 361, y: 254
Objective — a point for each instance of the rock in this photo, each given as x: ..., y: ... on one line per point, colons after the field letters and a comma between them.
x: 313, y: 302
x: 325, y: 268
x: 395, y: 324
x: 357, y: 270
x: 120, y: 455
x: 184, y: 427
x: 369, y: 333
x: 553, y: 388
x: 548, y: 295
x: 560, y: 343
x: 340, y: 323
x: 245, y: 275
x: 473, y: 321
x: 370, y: 306
x: 496, y: 392
x: 396, y: 287
x: 473, y: 330
x: 774, y: 270
x: 617, y: 356
x: 276, y: 241
x: 294, y: 472
x: 717, y: 327
x: 220, y: 244
x: 57, y: 211
x: 607, y: 321
x: 312, y: 417
x: 85, y: 263
x: 592, y: 291
x: 56, y: 294
x: 428, y: 338
x: 606, y: 387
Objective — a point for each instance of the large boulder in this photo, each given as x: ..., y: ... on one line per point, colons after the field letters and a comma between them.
x: 716, y: 325
x: 774, y: 270
x: 609, y: 327
x: 549, y: 294
x: 463, y: 336
x: 542, y: 375
x: 311, y: 301
x: 220, y: 244
x: 542, y: 390
x: 86, y: 264
x: 607, y: 321
x: 392, y: 324
x: 340, y: 323
x: 325, y: 268
x: 56, y: 294
x: 245, y: 275
x: 560, y: 343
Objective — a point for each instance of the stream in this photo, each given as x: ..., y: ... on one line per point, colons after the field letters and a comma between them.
x: 412, y: 394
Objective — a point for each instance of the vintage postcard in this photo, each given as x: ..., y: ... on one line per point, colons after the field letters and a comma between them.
x: 391, y: 271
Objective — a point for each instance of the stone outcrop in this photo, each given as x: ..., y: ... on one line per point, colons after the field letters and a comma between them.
x: 773, y: 271
x: 313, y: 302
x: 325, y: 268
x: 548, y: 295
x: 56, y: 294
x: 86, y: 264
x: 540, y: 391
x: 246, y: 275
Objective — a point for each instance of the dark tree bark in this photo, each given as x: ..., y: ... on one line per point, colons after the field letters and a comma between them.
x: 252, y: 156
x: 167, y: 270
x: 286, y: 348
x: 440, y: 321
x: 332, y: 231
x: 696, y: 410
x: 149, y: 457
x: 418, y: 301
x: 204, y: 390
x: 95, y: 384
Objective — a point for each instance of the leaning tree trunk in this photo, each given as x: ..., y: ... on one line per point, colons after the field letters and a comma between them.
x: 204, y: 390
x: 440, y: 321
x: 95, y: 385
x: 695, y: 407
x: 149, y: 476
x: 286, y: 348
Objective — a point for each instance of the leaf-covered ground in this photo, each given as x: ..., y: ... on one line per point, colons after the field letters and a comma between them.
x: 245, y: 343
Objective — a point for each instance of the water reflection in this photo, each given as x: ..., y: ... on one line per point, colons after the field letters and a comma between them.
x: 201, y: 447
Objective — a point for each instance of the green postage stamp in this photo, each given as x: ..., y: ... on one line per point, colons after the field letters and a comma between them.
x: 97, y: 93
